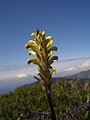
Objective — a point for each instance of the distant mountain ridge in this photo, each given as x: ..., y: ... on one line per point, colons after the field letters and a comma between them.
x: 81, y: 75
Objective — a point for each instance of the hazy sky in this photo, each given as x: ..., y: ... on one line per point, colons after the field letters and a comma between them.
x: 68, y: 21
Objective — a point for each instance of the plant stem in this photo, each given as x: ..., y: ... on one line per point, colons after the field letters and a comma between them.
x: 53, y: 116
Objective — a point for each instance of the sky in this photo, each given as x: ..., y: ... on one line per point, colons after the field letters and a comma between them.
x: 68, y: 21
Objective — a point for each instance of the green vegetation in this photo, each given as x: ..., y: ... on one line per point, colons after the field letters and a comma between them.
x: 70, y: 98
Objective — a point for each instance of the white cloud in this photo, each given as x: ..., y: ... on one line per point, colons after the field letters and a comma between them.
x: 62, y: 67
x: 70, y: 69
x: 21, y: 75
x: 85, y: 64
x: 78, y: 66
x: 19, y: 72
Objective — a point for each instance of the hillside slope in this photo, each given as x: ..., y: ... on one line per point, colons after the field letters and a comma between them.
x: 81, y: 75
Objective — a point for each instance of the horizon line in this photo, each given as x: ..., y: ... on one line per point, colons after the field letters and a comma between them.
x: 72, y: 59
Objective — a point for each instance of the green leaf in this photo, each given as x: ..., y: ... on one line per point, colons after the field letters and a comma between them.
x: 86, y: 115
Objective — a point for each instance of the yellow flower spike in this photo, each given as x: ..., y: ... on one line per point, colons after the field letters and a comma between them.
x: 32, y: 42
x: 31, y: 52
x: 34, y: 47
x: 37, y: 40
x: 43, y: 52
x: 50, y: 54
x: 49, y: 43
x: 49, y: 38
x: 29, y: 44
x: 43, y: 33
x: 53, y: 69
x: 33, y: 35
x: 30, y: 60
x: 41, y: 48
x: 34, y: 61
